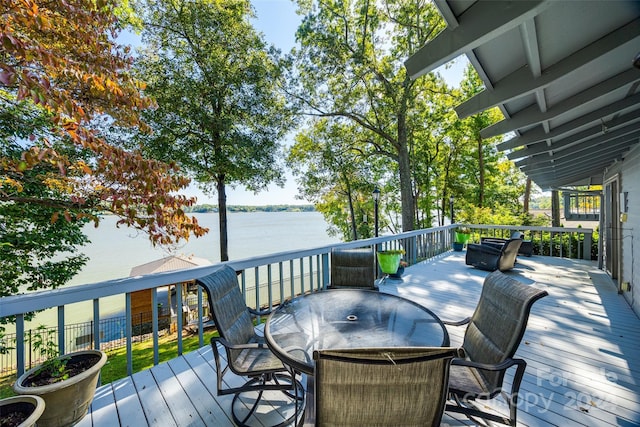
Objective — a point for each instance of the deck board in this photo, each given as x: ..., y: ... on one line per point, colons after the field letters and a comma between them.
x: 581, y: 346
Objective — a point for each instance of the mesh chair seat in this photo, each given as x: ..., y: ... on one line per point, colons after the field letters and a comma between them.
x: 464, y: 379
x: 250, y: 361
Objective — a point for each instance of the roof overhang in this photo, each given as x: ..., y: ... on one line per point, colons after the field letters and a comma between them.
x: 561, y: 72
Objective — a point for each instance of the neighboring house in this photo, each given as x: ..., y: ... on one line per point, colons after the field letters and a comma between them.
x: 565, y: 74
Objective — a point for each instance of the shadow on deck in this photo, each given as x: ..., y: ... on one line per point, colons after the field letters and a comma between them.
x: 581, y: 347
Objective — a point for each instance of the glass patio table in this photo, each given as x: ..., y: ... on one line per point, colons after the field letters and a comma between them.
x: 349, y: 318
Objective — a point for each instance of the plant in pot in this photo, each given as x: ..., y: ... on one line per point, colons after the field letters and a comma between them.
x: 400, y: 271
x: 66, y: 383
x: 389, y: 260
x: 462, y: 235
x: 21, y: 411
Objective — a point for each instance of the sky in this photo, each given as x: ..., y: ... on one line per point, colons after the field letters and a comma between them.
x: 278, y: 21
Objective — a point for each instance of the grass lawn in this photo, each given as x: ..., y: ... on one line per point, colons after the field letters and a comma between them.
x: 116, y: 366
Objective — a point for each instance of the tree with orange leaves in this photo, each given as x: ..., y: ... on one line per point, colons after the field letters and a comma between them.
x: 60, y: 59
x: 61, y: 72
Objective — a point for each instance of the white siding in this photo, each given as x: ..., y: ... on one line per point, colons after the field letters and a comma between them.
x: 629, y: 172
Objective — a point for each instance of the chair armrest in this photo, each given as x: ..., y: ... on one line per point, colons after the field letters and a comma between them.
x: 231, y: 346
x: 492, y: 240
x: 493, y: 244
x: 264, y: 312
x: 505, y: 364
x: 457, y: 323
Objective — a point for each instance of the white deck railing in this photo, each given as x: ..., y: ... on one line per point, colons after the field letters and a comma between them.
x: 265, y: 281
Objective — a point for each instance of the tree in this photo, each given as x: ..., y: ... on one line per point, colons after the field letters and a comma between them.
x: 334, y: 175
x: 349, y: 67
x: 60, y: 71
x: 220, y: 112
x: 61, y: 58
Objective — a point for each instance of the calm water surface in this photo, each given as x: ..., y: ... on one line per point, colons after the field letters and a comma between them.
x: 113, y: 252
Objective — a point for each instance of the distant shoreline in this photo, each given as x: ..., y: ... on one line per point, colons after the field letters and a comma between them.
x: 246, y: 208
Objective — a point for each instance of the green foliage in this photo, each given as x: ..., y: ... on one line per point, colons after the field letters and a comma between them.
x: 53, y: 366
x: 39, y: 249
x: 392, y: 252
x: 39, y: 246
x: 349, y: 72
x: 334, y: 174
x: 220, y: 108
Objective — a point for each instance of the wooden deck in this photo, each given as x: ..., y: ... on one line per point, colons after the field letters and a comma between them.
x: 582, y: 346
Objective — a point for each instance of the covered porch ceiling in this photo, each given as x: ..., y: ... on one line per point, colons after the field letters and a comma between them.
x: 560, y: 71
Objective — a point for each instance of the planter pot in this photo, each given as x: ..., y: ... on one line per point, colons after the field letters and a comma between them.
x: 389, y: 262
x: 31, y: 406
x: 398, y: 274
x: 457, y: 246
x: 66, y: 401
x: 462, y: 237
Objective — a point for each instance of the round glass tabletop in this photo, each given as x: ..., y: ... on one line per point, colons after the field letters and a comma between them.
x: 349, y: 318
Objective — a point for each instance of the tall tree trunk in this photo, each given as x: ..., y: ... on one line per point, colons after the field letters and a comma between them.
x: 527, y: 196
x: 481, y: 170
x: 222, y: 215
x: 404, y: 169
x: 352, y: 212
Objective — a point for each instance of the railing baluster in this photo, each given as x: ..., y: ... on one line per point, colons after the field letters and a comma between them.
x: 128, y: 332
x: 310, y: 261
x: 61, y: 330
x: 20, y: 343
x: 256, y: 279
x: 292, y: 278
x: 200, y: 316
x: 154, y: 325
x: 281, y: 281
x: 302, y: 276
x: 179, y: 315
x: 96, y: 324
x: 269, y: 287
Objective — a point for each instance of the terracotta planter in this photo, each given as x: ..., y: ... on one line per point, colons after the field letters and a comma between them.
x: 32, y: 405
x: 66, y: 401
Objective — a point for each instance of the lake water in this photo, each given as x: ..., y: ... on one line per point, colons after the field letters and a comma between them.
x: 113, y: 252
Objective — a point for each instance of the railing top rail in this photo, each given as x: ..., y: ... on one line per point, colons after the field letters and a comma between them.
x: 531, y: 228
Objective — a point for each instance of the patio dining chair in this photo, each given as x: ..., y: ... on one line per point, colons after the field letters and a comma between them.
x: 353, y: 268
x: 379, y: 386
x: 493, y: 335
x: 247, y: 354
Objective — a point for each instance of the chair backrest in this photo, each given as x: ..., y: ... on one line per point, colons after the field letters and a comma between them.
x: 381, y: 387
x: 509, y: 253
x: 228, y: 308
x: 353, y: 268
x: 499, y: 322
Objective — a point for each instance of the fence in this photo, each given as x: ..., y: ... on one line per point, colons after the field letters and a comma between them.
x: 79, y: 336
x: 265, y: 281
